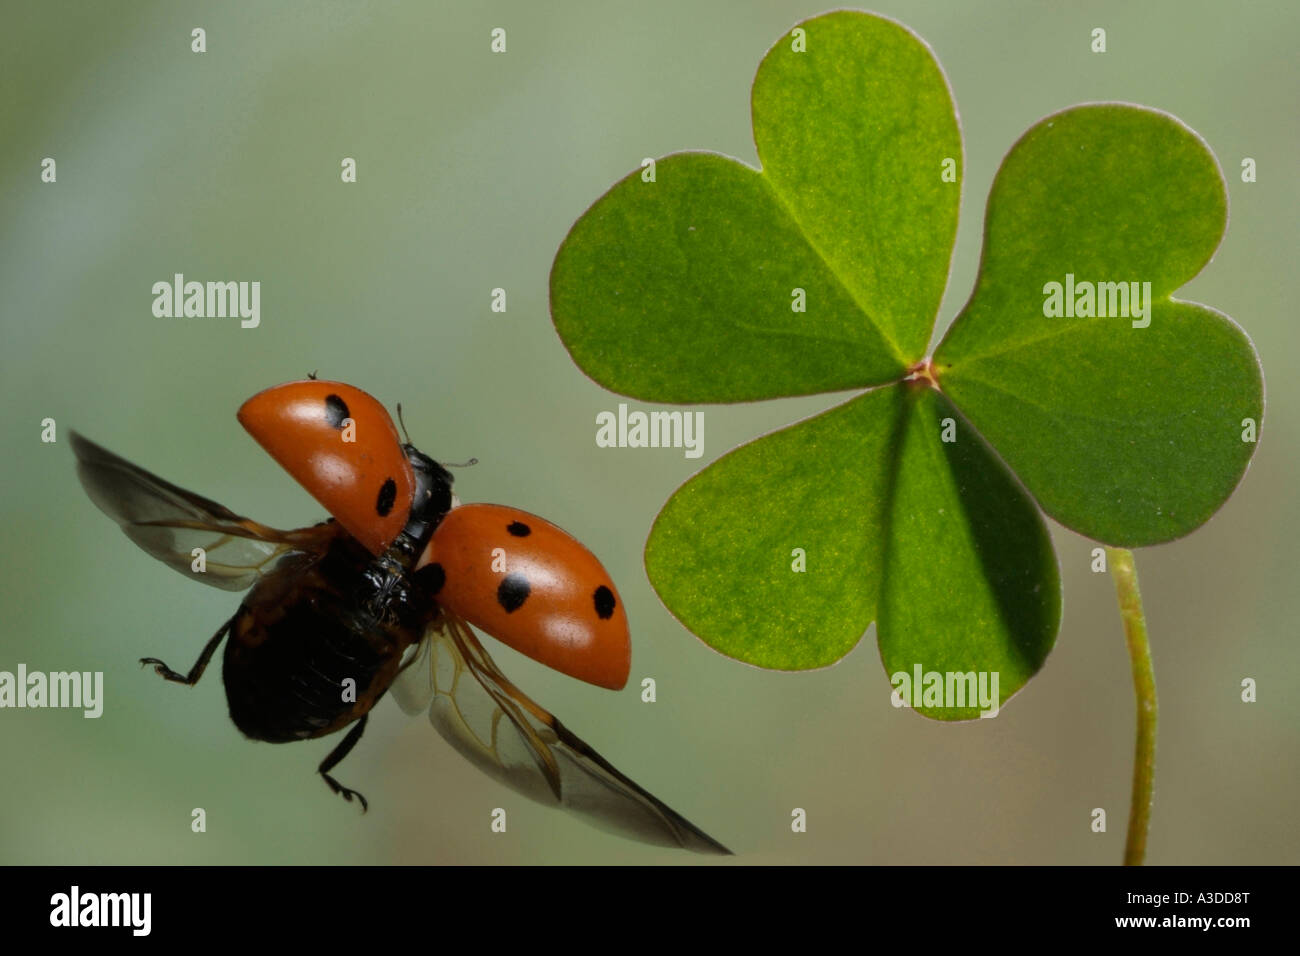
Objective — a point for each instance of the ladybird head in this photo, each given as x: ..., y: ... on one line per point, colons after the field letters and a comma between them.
x: 432, y: 500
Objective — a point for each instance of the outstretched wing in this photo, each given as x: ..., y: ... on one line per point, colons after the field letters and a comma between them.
x: 512, y: 739
x: 169, y: 522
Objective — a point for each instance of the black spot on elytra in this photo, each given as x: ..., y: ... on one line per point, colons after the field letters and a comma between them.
x: 605, y: 603
x: 513, y: 592
x: 431, y: 578
x: 519, y: 529
x: 336, y: 410
x: 387, y: 495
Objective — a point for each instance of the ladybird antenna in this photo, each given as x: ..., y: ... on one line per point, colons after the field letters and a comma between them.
x: 403, y: 423
x: 459, y: 464
x: 312, y: 375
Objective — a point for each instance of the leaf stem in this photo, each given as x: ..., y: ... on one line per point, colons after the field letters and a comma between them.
x: 1124, y: 572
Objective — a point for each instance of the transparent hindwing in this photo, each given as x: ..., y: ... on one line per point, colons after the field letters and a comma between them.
x: 507, y: 735
x: 169, y: 522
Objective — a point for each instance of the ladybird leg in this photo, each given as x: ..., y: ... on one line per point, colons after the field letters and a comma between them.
x: 200, y: 665
x: 338, y: 753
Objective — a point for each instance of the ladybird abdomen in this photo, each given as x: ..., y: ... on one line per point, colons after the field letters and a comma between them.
x: 532, y: 586
x: 307, y: 656
x: 290, y: 681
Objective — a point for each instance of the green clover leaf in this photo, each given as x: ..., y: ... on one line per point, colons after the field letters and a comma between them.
x: 910, y: 505
x: 1125, y: 433
x: 658, y: 281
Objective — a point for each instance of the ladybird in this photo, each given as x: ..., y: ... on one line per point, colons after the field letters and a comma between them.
x: 382, y: 597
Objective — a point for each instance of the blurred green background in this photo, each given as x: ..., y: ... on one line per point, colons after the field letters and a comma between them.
x: 472, y: 166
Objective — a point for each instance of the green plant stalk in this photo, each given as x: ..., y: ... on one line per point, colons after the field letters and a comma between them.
x: 1124, y: 572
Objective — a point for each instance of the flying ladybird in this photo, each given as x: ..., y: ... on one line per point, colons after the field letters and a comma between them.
x: 381, y: 597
